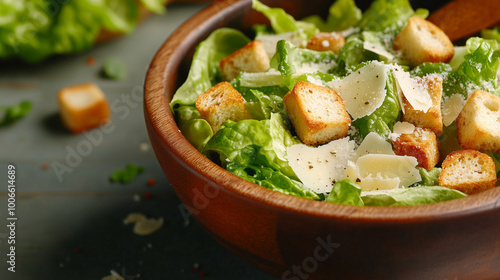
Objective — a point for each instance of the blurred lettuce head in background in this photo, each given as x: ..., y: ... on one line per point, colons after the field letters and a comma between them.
x: 33, y: 30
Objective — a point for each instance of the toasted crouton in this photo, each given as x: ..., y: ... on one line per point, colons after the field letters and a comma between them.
x: 478, y: 124
x: 421, y: 144
x: 468, y: 171
x: 221, y: 103
x: 431, y: 119
x: 83, y: 107
x: 422, y: 41
x: 325, y: 41
x: 251, y: 58
x: 317, y: 113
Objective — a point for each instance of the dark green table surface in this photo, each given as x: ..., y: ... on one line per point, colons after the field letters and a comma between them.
x: 70, y: 223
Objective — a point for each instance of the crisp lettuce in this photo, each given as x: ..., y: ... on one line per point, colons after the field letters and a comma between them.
x: 33, y: 30
x: 345, y: 192
x: 205, y: 70
x: 493, y: 33
x: 429, y: 177
x: 256, y: 150
x: 342, y: 15
x: 349, y: 193
x: 387, y: 16
x: 289, y: 58
x: 281, y: 22
x: 412, y: 196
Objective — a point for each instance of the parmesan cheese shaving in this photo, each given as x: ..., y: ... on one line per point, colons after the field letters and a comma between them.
x: 416, y: 93
x: 451, y: 108
x: 363, y: 91
x: 401, y: 128
x: 320, y: 167
x: 378, y: 49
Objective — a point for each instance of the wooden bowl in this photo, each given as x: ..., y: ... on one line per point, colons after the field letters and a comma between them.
x: 295, y: 238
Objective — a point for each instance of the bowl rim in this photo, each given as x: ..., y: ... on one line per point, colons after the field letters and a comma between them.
x: 160, y: 83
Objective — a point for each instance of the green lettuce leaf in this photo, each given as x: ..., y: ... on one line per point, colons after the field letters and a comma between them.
x: 493, y: 33
x: 273, y: 180
x: 33, y: 30
x: 429, y: 177
x: 205, y: 71
x: 342, y: 15
x: 288, y: 58
x: 254, y: 142
x: 387, y: 16
x: 196, y: 130
x: 14, y: 113
x: 351, y: 55
x: 281, y: 22
x: 345, y: 192
x: 256, y: 150
x: 413, y: 196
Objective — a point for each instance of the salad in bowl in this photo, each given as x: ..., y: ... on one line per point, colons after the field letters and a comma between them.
x: 373, y: 108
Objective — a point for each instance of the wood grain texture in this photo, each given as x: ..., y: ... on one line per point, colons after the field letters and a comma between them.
x: 458, y: 239
x: 462, y: 18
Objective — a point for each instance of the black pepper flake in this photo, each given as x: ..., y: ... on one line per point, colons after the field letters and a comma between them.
x: 377, y: 76
x: 358, y: 180
x: 333, y: 182
x: 311, y: 167
x: 366, y: 103
x: 359, y: 72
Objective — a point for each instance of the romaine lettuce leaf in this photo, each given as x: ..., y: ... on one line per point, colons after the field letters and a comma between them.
x: 281, y: 22
x: 342, y: 15
x: 345, y: 192
x: 413, y: 196
x: 196, y: 130
x: 253, y: 142
x: 493, y: 33
x: 256, y: 151
x: 205, y: 71
x: 429, y: 177
x: 36, y: 29
x: 289, y: 58
x: 273, y: 180
x: 387, y: 16
x: 351, y: 55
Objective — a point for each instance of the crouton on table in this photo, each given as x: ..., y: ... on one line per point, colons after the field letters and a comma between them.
x: 478, y: 124
x: 468, y: 171
x: 317, y: 113
x: 83, y: 107
x: 220, y: 103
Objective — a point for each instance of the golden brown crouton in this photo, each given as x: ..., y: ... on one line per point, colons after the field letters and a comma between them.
x: 325, y: 41
x: 478, y: 124
x: 421, y: 144
x: 468, y: 171
x: 432, y: 118
x: 317, y: 113
x: 251, y: 58
x: 83, y: 107
x: 221, y: 103
x: 421, y: 41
